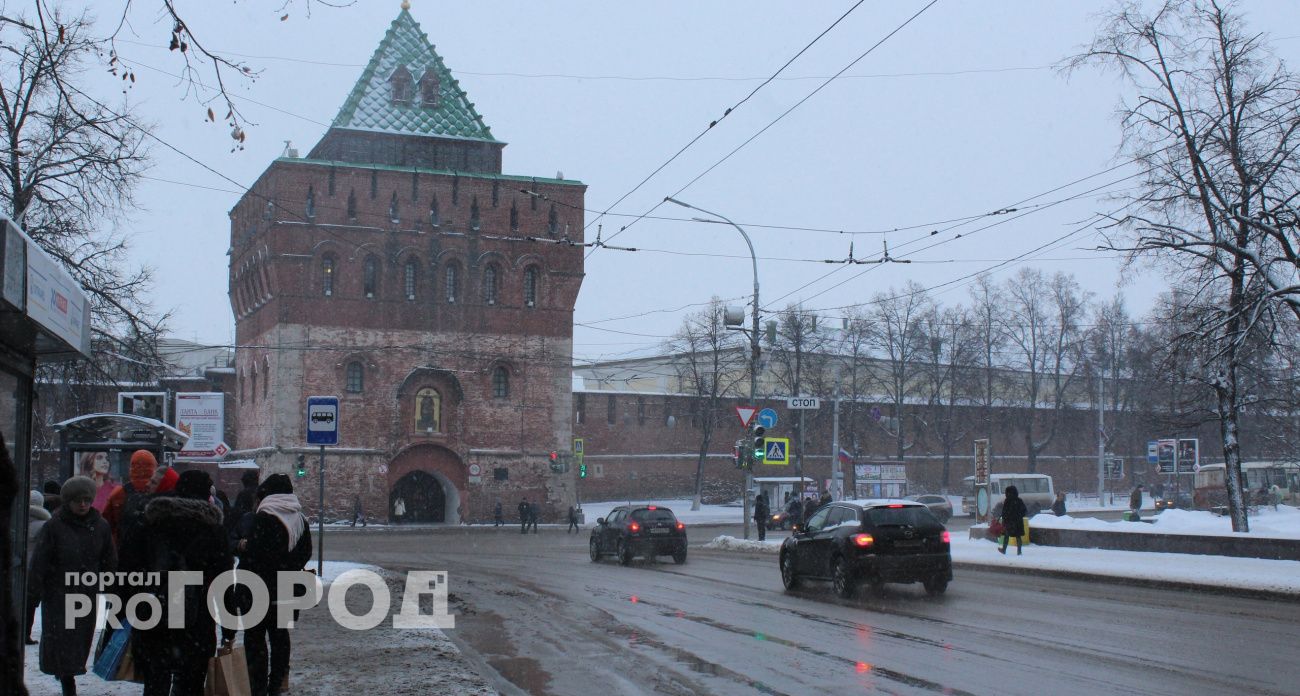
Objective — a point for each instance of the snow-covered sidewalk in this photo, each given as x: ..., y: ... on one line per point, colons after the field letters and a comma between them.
x: 330, y: 660
x: 1282, y: 523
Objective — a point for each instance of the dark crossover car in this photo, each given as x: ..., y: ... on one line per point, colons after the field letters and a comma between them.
x: 639, y: 530
x: 1171, y: 501
x: 869, y: 541
x: 938, y: 504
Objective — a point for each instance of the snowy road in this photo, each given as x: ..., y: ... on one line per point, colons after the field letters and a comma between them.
x: 551, y: 622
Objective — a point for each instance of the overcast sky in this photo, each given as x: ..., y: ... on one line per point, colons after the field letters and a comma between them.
x: 959, y: 114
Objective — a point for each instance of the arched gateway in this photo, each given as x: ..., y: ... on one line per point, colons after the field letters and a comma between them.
x: 429, y: 481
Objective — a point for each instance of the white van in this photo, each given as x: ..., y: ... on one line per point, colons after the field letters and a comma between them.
x: 1035, y: 489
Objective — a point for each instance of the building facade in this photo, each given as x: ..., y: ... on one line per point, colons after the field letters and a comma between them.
x: 397, y: 268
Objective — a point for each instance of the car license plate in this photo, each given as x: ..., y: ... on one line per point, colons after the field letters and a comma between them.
x: 658, y: 531
x: 907, y: 543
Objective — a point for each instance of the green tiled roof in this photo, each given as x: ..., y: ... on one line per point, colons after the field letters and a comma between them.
x: 370, y: 107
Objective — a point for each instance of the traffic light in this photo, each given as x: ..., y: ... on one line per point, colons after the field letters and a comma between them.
x: 582, y: 471
x: 555, y: 462
x: 735, y: 455
x: 302, y: 466
x: 760, y: 443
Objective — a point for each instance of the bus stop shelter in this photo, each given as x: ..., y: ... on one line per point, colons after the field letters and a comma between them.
x: 83, y: 440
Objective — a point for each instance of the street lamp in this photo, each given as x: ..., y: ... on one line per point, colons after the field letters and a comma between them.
x: 753, y: 334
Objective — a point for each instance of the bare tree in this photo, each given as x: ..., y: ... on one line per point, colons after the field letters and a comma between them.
x: 710, y: 363
x: 949, y: 339
x: 799, y: 362
x: 898, y: 338
x: 990, y: 339
x: 1215, y: 125
x: 855, y: 378
x: 1043, y: 328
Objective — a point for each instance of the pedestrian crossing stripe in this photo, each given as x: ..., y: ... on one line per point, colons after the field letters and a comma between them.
x: 778, y: 449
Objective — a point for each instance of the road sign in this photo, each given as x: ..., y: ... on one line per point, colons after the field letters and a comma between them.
x: 875, y: 413
x: 1153, y: 452
x: 804, y: 403
x: 778, y: 451
x: 767, y: 418
x: 322, y: 420
x: 746, y: 414
x: 981, y: 462
x: 1115, y: 468
x: 475, y: 470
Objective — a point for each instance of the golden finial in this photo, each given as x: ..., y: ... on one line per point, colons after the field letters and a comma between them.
x: 406, y: 4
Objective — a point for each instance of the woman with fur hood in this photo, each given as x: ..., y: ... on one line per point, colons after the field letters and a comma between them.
x: 37, y: 516
x: 178, y: 532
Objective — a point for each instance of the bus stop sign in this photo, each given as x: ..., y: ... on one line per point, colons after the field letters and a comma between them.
x: 322, y: 420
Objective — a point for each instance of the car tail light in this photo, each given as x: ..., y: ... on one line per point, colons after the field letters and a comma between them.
x: 863, y: 540
x: 634, y: 527
x: 946, y: 538
x: 652, y: 507
x: 680, y: 526
x: 896, y: 505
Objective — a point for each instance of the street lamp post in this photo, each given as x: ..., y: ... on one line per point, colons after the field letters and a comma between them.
x: 753, y: 338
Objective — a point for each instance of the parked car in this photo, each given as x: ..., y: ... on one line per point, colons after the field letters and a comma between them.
x: 1180, y: 501
x: 639, y: 530
x: 869, y: 541
x: 938, y: 504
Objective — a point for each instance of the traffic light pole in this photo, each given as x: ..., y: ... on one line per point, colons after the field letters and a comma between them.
x: 320, y: 520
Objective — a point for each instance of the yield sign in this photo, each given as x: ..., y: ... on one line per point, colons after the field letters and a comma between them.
x: 746, y: 414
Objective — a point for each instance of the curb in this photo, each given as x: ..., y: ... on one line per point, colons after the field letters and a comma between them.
x: 1134, y: 582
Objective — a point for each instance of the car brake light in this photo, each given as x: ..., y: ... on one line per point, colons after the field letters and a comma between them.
x: 947, y: 539
x: 652, y: 508
x: 634, y: 527
x: 680, y: 526
x: 895, y: 506
x: 863, y: 540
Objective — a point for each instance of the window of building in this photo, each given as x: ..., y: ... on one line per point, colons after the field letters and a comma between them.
x: 640, y: 410
x: 579, y: 407
x: 552, y: 222
x: 474, y: 221
x: 452, y: 282
x: 490, y: 284
x: 455, y: 190
x: 428, y: 410
x: 252, y: 392
x: 500, y: 383
x: 374, y: 183
x: 355, y: 378
x: 530, y: 287
x: 496, y: 193
x: 408, y: 279
x: 695, y: 413
x: 327, y: 276
x: 352, y: 205
x: 433, y: 212
x: 401, y: 85
x: 370, y: 277
x: 242, y: 390
x: 430, y: 86
x: 611, y: 409
x: 311, y: 202
x: 514, y: 218
x: 331, y: 181
x: 393, y: 213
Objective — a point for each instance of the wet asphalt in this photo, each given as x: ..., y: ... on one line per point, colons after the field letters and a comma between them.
x: 538, y: 617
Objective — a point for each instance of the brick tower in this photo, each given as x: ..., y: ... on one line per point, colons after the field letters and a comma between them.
x: 396, y: 267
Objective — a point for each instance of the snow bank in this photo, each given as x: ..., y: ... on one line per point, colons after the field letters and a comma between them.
x: 1283, y: 523
x: 730, y: 543
x: 707, y: 514
x: 1209, y: 571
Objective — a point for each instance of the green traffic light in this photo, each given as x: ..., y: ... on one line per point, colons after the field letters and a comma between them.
x: 582, y: 471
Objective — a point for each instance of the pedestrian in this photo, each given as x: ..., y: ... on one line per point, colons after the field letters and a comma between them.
x: 1013, y: 518
x: 498, y: 517
x: 279, y: 540
x: 75, y: 542
x: 179, y: 533
x: 1275, y: 495
x: 357, y: 513
x: 825, y: 499
x: 573, y: 520
x: 52, y: 497
x: 1135, y: 503
x: 794, y: 510
x: 227, y: 510
x: 245, y: 499
x: 809, y: 507
x: 399, y: 509
x: 761, y: 512
x: 130, y: 498
x: 1058, y: 505
x: 523, y: 515
x: 534, y: 512
x: 37, y: 516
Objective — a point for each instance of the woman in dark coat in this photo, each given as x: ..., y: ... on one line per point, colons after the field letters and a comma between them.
x: 181, y: 532
x: 1013, y: 519
x: 75, y: 540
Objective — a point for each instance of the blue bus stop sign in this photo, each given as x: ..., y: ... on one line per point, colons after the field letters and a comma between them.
x: 322, y: 420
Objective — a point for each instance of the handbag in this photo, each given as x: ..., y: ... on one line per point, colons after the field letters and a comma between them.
x: 116, y: 651
x: 228, y: 673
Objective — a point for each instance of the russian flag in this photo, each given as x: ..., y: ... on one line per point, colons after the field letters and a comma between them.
x: 845, y: 457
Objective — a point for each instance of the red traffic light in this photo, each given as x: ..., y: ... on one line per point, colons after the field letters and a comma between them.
x: 555, y: 456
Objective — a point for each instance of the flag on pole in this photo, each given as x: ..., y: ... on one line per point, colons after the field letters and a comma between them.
x: 845, y: 457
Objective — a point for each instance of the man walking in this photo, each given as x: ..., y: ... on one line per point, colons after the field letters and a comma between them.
x: 573, y: 520
x: 524, y: 510
x: 357, y: 513
x: 497, y: 518
x: 1135, y: 504
x: 761, y: 511
x: 534, y: 511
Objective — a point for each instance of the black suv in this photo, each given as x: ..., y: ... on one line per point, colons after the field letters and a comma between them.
x: 873, y: 541
x: 639, y: 530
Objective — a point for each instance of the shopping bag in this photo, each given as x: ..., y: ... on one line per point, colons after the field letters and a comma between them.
x: 228, y: 674
x: 118, y: 648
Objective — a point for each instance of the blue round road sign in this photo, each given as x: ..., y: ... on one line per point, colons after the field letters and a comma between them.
x: 767, y: 418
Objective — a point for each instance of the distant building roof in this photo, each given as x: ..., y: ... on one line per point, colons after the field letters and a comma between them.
x: 370, y: 105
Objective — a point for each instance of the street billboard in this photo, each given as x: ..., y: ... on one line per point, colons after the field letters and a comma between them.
x: 202, y: 416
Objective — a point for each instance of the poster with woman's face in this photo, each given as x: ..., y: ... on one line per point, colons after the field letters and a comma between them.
x: 94, y: 466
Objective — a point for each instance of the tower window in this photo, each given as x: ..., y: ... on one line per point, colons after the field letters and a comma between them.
x: 514, y: 218
x: 500, y: 383
x: 530, y: 287
x: 579, y: 407
x: 433, y: 211
x: 400, y: 83
x: 392, y: 210
x: 311, y: 202
x: 370, y: 277
x: 327, y: 276
x: 496, y: 193
x: 452, y: 281
x: 552, y: 222
x: 429, y: 88
x: 352, y: 205
x: 474, y: 214
x: 374, y: 183
x: 355, y: 378
x: 611, y: 410
x: 408, y: 283
x: 331, y: 183
x: 490, y: 284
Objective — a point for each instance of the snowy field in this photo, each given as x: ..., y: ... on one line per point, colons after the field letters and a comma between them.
x: 1282, y: 523
x: 384, y: 656
x: 707, y: 514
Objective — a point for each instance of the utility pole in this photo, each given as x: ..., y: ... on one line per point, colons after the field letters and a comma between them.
x: 837, y: 476
x: 1101, y: 436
